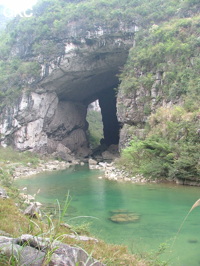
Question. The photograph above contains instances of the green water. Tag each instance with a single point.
(162, 209)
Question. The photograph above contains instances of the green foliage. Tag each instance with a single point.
(45, 33)
(9, 159)
(171, 148)
(171, 49)
(95, 131)
(8, 154)
(14, 76)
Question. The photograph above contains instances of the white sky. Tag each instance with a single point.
(18, 5)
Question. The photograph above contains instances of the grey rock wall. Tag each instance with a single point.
(52, 118)
(135, 106)
(40, 123)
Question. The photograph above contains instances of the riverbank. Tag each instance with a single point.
(113, 172)
(103, 199)
(16, 226)
(15, 164)
(30, 170)
(14, 223)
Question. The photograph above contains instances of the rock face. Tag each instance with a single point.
(39, 122)
(134, 108)
(52, 118)
(3, 193)
(30, 250)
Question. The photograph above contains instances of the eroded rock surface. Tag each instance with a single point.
(40, 123)
(52, 118)
(31, 250)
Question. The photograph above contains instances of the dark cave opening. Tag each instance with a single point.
(111, 127)
(102, 119)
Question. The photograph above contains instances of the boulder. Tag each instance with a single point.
(111, 153)
(92, 162)
(62, 254)
(108, 155)
(64, 153)
(23, 255)
(3, 193)
(33, 210)
(34, 251)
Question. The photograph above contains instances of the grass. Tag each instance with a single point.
(15, 223)
(8, 154)
(11, 159)
(195, 205)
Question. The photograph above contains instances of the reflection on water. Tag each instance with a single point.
(160, 208)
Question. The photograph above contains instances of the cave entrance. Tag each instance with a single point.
(95, 124)
(107, 102)
(103, 124)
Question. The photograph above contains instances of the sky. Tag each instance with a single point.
(18, 5)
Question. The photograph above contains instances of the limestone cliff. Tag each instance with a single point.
(68, 55)
(52, 118)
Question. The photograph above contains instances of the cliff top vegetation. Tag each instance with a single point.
(26, 39)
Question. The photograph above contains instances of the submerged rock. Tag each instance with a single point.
(123, 216)
(193, 241)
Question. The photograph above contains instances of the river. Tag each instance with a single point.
(161, 209)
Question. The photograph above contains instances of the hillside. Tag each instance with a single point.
(85, 44)
(26, 38)
(162, 79)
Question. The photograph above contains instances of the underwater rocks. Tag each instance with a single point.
(123, 216)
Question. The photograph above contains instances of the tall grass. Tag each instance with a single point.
(196, 204)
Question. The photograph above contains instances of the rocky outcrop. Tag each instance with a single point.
(33, 210)
(40, 123)
(52, 118)
(30, 250)
(135, 106)
(3, 193)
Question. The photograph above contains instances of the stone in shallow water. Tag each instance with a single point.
(124, 216)
(193, 241)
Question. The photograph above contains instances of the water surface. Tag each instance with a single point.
(162, 209)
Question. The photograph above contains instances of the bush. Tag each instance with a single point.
(171, 148)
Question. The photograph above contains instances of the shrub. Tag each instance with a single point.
(171, 148)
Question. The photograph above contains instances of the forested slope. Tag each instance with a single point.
(163, 69)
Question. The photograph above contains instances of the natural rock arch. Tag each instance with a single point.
(52, 119)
